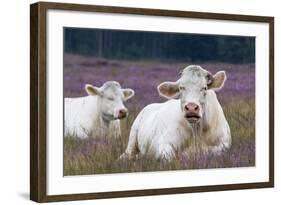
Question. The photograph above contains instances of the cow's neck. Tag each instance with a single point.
(197, 129)
(210, 113)
(105, 122)
(195, 140)
(210, 120)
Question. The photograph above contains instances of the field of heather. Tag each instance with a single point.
(96, 156)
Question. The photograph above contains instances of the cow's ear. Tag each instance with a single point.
(217, 81)
(92, 90)
(168, 90)
(128, 93)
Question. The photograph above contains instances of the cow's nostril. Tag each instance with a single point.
(122, 112)
(192, 108)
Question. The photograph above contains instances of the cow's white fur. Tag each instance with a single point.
(95, 115)
(162, 130)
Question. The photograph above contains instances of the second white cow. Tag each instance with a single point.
(195, 114)
(98, 114)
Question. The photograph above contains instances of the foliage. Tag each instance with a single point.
(141, 45)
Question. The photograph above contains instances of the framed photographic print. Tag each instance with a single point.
(134, 102)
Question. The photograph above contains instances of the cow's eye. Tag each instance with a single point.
(110, 98)
(182, 88)
(204, 89)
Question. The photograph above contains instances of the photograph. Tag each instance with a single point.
(143, 101)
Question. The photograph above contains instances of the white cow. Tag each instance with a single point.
(98, 114)
(165, 128)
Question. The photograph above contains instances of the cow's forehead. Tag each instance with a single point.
(193, 74)
(111, 88)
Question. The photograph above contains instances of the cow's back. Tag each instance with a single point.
(78, 116)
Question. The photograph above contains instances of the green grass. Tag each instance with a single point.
(100, 156)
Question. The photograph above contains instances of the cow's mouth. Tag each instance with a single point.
(192, 118)
(121, 117)
(108, 117)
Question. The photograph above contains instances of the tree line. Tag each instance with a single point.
(143, 45)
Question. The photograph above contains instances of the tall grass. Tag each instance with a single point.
(101, 155)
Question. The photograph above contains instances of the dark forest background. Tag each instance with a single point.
(142, 45)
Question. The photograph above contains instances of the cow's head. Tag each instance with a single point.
(111, 98)
(192, 88)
